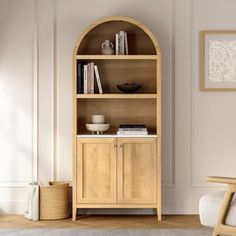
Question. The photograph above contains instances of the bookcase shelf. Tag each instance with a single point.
(126, 170)
(117, 96)
(113, 72)
(116, 57)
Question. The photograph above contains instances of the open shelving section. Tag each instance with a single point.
(143, 66)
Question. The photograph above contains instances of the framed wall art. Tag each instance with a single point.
(218, 60)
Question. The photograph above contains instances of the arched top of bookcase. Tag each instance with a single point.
(140, 39)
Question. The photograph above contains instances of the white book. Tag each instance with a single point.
(132, 129)
(132, 132)
(98, 79)
(85, 79)
(89, 78)
(122, 33)
(92, 77)
(117, 44)
(126, 45)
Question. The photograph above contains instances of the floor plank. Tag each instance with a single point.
(108, 222)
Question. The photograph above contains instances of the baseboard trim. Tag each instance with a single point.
(12, 207)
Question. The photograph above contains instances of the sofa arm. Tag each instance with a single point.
(223, 180)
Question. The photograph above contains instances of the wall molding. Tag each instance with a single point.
(34, 125)
(12, 206)
(192, 99)
(195, 182)
(171, 182)
(35, 94)
(13, 184)
(55, 93)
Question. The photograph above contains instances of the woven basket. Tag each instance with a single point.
(54, 201)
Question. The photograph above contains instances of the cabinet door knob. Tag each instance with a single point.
(120, 146)
(114, 145)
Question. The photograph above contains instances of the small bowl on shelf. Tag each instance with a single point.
(97, 128)
(129, 87)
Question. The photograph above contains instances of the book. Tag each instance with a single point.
(126, 45)
(82, 78)
(98, 79)
(122, 34)
(85, 79)
(117, 44)
(89, 78)
(132, 132)
(121, 43)
(132, 126)
(92, 77)
(79, 78)
(132, 129)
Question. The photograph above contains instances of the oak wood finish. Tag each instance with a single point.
(117, 57)
(223, 180)
(221, 228)
(136, 170)
(96, 166)
(119, 96)
(143, 65)
(118, 205)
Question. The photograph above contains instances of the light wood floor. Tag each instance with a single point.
(111, 222)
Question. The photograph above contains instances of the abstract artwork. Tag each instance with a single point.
(218, 60)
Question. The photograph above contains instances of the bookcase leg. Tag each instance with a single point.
(74, 213)
(159, 218)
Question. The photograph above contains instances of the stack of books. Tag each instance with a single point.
(121, 43)
(86, 75)
(129, 129)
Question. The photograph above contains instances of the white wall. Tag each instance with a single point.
(36, 43)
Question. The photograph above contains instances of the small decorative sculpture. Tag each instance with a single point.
(107, 48)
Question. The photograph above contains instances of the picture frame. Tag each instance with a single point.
(218, 60)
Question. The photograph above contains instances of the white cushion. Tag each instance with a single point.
(209, 208)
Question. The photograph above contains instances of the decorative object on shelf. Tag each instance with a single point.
(97, 128)
(107, 48)
(132, 129)
(129, 87)
(218, 60)
(98, 119)
(98, 125)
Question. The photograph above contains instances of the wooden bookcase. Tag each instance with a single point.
(110, 171)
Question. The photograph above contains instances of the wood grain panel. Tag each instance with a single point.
(136, 170)
(97, 170)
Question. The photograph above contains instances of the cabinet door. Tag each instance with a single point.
(137, 167)
(96, 170)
